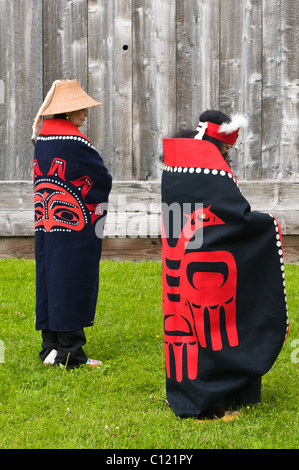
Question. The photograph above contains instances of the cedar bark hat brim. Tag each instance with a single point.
(68, 96)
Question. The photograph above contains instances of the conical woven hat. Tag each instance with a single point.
(68, 96)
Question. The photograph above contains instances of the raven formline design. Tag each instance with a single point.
(195, 283)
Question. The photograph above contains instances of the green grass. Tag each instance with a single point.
(123, 404)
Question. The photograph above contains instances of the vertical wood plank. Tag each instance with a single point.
(65, 42)
(289, 144)
(231, 83)
(179, 59)
(252, 88)
(154, 83)
(197, 29)
(20, 72)
(241, 79)
(110, 81)
(272, 104)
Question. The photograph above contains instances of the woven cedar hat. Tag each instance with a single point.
(68, 96)
(64, 96)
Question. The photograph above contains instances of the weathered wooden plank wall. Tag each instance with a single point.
(280, 89)
(65, 43)
(134, 207)
(21, 65)
(110, 80)
(240, 78)
(154, 82)
(198, 59)
(155, 65)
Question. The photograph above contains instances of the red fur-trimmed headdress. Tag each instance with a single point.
(226, 132)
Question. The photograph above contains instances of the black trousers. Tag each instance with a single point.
(68, 346)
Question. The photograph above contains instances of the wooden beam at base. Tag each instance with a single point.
(124, 249)
(136, 249)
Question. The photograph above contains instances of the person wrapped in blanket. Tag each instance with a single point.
(71, 189)
(224, 298)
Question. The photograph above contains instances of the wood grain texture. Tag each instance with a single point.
(198, 60)
(154, 83)
(241, 80)
(289, 145)
(134, 207)
(155, 65)
(123, 249)
(22, 90)
(110, 81)
(65, 41)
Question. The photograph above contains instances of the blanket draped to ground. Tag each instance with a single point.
(71, 188)
(224, 298)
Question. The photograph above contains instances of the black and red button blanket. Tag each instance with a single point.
(224, 298)
(71, 188)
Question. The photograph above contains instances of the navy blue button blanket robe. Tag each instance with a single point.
(71, 188)
(224, 298)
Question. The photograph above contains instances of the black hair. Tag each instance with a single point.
(60, 116)
(185, 134)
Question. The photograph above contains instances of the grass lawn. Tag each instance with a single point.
(123, 404)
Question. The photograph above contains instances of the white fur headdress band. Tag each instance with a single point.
(226, 132)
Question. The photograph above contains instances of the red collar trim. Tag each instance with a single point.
(192, 153)
(60, 127)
